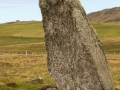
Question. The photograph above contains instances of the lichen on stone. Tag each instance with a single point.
(42, 3)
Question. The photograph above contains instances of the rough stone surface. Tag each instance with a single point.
(75, 56)
(52, 89)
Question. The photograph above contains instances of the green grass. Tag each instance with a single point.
(109, 35)
(22, 36)
(106, 30)
(22, 29)
(29, 36)
(21, 44)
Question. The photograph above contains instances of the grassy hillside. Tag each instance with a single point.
(109, 35)
(31, 29)
(21, 36)
(111, 15)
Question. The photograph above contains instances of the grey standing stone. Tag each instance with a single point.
(52, 89)
(49, 89)
(75, 57)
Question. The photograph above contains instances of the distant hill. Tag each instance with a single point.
(107, 15)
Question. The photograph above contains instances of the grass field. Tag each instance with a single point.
(114, 64)
(21, 36)
(20, 69)
(109, 35)
(30, 36)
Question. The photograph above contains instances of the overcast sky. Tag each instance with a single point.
(26, 10)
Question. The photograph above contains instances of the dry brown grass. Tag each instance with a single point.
(10, 83)
(114, 64)
(20, 68)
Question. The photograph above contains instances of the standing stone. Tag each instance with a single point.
(75, 57)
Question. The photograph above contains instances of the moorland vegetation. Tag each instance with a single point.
(16, 69)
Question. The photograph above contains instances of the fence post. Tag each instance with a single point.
(26, 52)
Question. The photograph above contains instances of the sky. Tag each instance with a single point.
(27, 10)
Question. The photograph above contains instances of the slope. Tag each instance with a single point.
(107, 15)
(22, 36)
